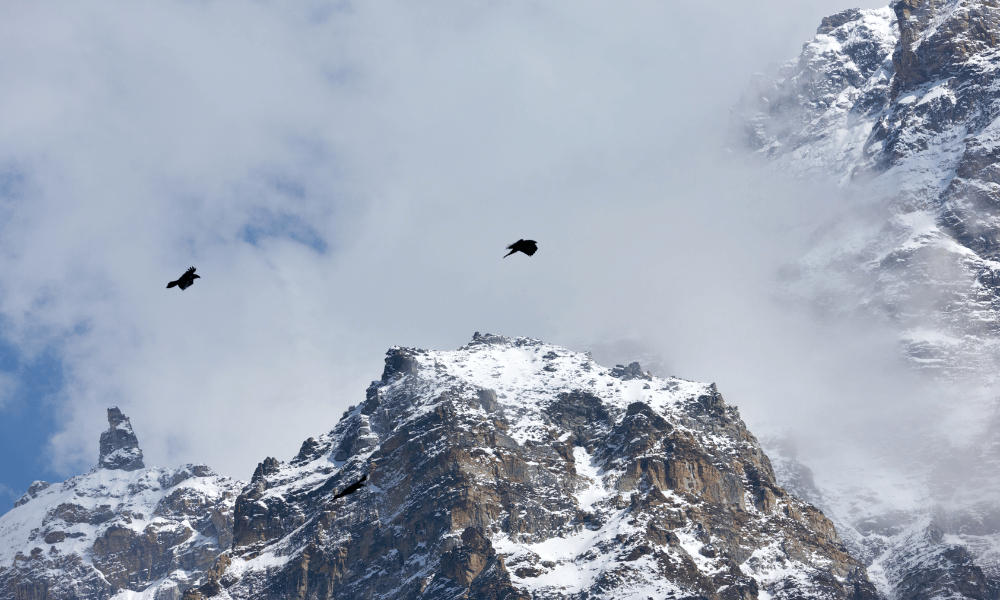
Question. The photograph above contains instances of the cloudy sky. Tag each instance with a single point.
(345, 176)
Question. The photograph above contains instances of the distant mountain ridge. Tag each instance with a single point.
(506, 469)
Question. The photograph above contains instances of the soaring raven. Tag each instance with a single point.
(352, 488)
(529, 247)
(185, 280)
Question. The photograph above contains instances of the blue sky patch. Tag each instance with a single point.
(265, 224)
(27, 421)
(13, 182)
(289, 187)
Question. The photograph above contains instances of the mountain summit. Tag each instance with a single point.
(121, 528)
(511, 468)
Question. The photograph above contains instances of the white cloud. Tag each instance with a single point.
(346, 176)
(8, 493)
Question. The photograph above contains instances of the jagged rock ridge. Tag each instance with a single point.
(511, 468)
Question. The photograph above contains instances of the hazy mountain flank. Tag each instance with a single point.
(897, 107)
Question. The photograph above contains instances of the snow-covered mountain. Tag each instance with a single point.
(119, 527)
(506, 469)
(511, 468)
(897, 107)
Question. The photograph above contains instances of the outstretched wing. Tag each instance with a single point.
(529, 247)
(513, 248)
(185, 280)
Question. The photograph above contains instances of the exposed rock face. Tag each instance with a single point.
(954, 32)
(898, 106)
(474, 570)
(120, 527)
(119, 446)
(513, 469)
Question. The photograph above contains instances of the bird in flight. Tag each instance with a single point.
(352, 488)
(185, 280)
(529, 247)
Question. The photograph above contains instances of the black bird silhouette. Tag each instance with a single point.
(185, 280)
(352, 488)
(529, 247)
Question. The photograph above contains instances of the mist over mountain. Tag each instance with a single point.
(341, 148)
(896, 109)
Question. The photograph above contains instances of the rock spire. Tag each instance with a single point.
(119, 446)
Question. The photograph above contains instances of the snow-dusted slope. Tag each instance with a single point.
(898, 108)
(114, 530)
(511, 468)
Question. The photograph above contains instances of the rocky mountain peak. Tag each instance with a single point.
(119, 446)
(507, 469)
(511, 468)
